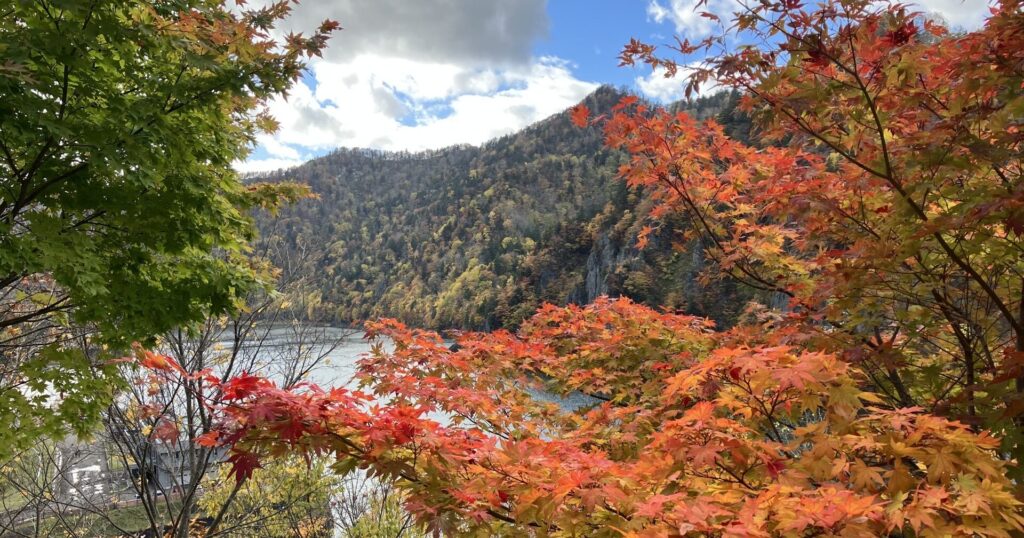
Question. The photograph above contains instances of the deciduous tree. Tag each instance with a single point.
(120, 212)
(887, 206)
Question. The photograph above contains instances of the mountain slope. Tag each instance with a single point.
(477, 237)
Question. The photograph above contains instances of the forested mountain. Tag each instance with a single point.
(479, 237)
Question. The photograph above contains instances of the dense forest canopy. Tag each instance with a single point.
(480, 237)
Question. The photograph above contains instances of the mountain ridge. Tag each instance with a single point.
(476, 237)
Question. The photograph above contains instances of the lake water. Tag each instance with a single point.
(334, 350)
(344, 349)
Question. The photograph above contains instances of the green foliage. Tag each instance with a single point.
(119, 207)
(470, 237)
(385, 519)
(287, 498)
(63, 393)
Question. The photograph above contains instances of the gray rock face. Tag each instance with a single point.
(606, 257)
(599, 265)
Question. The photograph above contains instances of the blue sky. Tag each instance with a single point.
(592, 41)
(422, 74)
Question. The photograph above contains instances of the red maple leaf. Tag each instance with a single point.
(774, 467)
(208, 439)
(580, 115)
(155, 361)
(243, 464)
(166, 430)
(243, 386)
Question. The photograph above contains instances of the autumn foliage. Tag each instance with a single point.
(887, 203)
(685, 430)
(885, 206)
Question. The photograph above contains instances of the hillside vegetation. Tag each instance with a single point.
(479, 237)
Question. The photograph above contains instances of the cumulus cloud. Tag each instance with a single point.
(958, 14)
(459, 31)
(254, 166)
(657, 87)
(419, 75)
(399, 104)
(685, 16)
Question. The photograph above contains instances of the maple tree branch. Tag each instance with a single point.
(61, 304)
(25, 198)
(9, 158)
(763, 284)
(1019, 347)
(1017, 325)
(739, 479)
(768, 415)
(919, 211)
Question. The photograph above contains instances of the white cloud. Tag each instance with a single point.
(397, 104)
(958, 14)
(277, 149)
(267, 165)
(667, 90)
(496, 32)
(419, 75)
(656, 86)
(685, 15)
